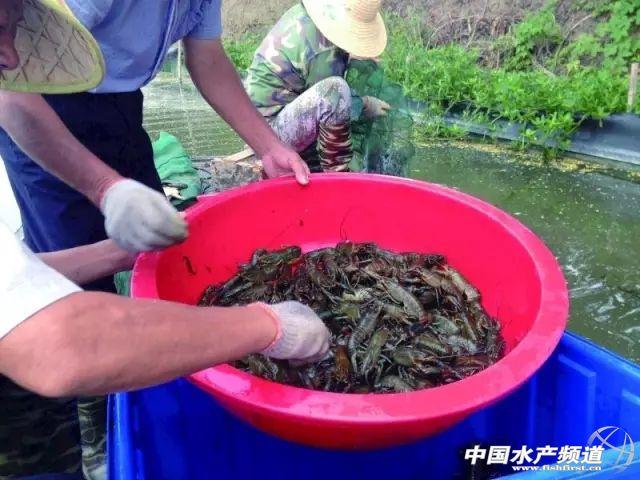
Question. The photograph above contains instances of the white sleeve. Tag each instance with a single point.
(27, 284)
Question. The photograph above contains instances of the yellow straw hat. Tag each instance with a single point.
(57, 54)
(355, 26)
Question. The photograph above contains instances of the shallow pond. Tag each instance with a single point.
(590, 219)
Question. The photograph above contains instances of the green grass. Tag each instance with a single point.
(545, 81)
(241, 51)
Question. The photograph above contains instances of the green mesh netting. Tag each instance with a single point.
(383, 145)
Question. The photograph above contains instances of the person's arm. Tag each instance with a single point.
(136, 217)
(91, 343)
(219, 83)
(89, 262)
(40, 133)
(59, 341)
(365, 108)
(95, 343)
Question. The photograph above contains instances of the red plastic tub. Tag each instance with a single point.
(519, 278)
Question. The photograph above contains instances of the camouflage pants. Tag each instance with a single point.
(49, 435)
(92, 416)
(321, 115)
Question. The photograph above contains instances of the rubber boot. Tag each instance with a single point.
(334, 147)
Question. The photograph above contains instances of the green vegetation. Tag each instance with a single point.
(539, 74)
(241, 51)
(545, 81)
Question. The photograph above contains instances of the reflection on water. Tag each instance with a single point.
(591, 221)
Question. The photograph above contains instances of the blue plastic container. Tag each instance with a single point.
(176, 431)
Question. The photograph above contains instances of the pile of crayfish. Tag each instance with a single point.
(399, 321)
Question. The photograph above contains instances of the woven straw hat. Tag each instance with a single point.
(355, 26)
(57, 54)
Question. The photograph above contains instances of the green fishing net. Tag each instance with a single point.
(383, 145)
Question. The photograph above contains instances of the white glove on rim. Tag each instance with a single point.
(374, 107)
(301, 334)
(139, 219)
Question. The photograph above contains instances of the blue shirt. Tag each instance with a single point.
(135, 35)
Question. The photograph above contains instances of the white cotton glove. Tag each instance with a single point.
(301, 336)
(373, 107)
(139, 219)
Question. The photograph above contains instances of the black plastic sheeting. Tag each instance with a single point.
(615, 138)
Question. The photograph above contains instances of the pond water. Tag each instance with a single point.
(589, 218)
(591, 221)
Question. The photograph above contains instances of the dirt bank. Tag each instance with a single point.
(251, 16)
(445, 20)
